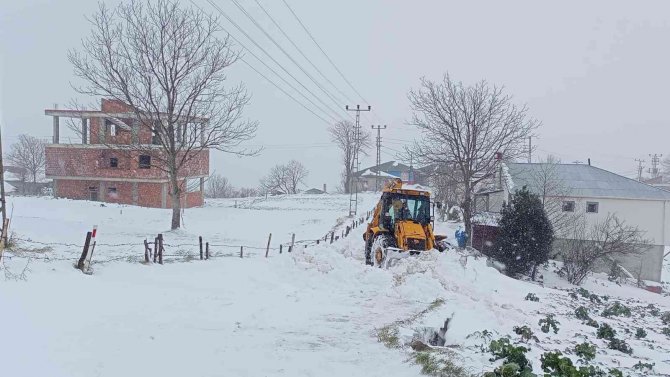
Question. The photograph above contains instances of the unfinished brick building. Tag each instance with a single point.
(98, 170)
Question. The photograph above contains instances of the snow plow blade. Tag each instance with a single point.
(393, 255)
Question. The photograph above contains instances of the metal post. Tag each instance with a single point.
(353, 187)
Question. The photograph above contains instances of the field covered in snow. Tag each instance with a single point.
(318, 311)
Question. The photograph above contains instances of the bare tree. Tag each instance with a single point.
(605, 241)
(168, 65)
(444, 182)
(28, 154)
(218, 187)
(553, 191)
(343, 134)
(285, 178)
(465, 126)
(295, 175)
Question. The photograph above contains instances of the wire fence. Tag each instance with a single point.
(147, 251)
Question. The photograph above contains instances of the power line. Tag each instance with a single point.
(275, 73)
(337, 115)
(253, 20)
(285, 92)
(324, 52)
(301, 53)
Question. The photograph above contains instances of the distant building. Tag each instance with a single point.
(91, 170)
(590, 191)
(367, 178)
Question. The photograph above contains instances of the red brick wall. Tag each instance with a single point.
(94, 162)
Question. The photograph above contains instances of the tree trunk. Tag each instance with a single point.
(467, 214)
(176, 200)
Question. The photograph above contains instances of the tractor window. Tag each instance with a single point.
(404, 207)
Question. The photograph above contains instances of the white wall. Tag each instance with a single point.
(650, 216)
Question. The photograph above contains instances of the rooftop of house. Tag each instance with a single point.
(389, 166)
(580, 180)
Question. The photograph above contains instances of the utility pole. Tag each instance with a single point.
(379, 156)
(3, 239)
(530, 149)
(655, 159)
(353, 186)
(640, 167)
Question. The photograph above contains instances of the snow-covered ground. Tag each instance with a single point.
(313, 312)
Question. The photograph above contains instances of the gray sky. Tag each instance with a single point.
(595, 73)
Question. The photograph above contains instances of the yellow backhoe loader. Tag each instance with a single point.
(400, 227)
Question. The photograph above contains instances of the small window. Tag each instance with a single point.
(591, 207)
(145, 161)
(113, 162)
(569, 206)
(110, 127)
(155, 139)
(111, 190)
(193, 185)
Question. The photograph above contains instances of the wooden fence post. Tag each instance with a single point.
(267, 248)
(84, 252)
(200, 242)
(317, 241)
(241, 251)
(332, 237)
(160, 248)
(290, 248)
(147, 251)
(207, 250)
(155, 249)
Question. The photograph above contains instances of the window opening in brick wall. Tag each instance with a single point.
(112, 193)
(110, 127)
(113, 162)
(193, 185)
(145, 161)
(93, 193)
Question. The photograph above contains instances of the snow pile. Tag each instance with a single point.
(316, 311)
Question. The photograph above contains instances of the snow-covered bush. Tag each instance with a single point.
(547, 323)
(605, 331)
(515, 362)
(525, 234)
(586, 351)
(665, 318)
(525, 332)
(616, 309)
(532, 297)
(640, 333)
(620, 345)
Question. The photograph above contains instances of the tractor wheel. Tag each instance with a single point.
(368, 251)
(378, 249)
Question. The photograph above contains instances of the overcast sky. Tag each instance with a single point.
(596, 73)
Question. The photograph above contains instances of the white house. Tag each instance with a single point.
(594, 193)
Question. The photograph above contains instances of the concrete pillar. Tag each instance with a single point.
(164, 194)
(56, 130)
(102, 130)
(84, 131)
(136, 193)
(102, 194)
(202, 189)
(135, 131)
